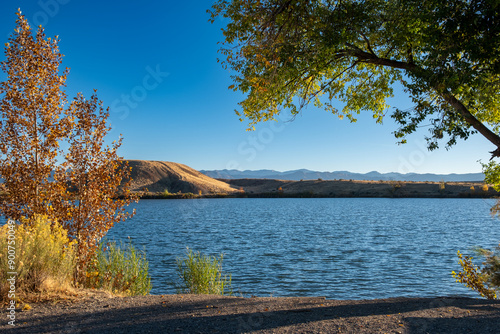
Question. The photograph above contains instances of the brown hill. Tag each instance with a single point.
(158, 176)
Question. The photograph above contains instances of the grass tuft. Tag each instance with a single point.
(202, 274)
(119, 269)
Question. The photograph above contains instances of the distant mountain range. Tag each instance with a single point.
(305, 174)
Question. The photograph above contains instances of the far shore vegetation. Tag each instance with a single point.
(388, 189)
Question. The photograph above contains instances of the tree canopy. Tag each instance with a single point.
(288, 54)
(446, 54)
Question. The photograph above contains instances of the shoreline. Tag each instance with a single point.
(101, 313)
(267, 188)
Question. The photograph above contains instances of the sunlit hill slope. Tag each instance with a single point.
(158, 176)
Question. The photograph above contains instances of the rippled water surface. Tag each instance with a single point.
(341, 248)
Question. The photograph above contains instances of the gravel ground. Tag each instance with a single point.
(100, 313)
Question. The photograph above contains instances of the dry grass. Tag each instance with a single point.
(42, 256)
(51, 290)
(355, 188)
(54, 293)
(158, 176)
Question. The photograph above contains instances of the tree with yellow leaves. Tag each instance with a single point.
(33, 123)
(77, 186)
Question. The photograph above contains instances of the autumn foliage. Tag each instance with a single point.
(33, 123)
(479, 280)
(54, 160)
(44, 256)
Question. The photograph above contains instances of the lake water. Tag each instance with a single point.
(341, 248)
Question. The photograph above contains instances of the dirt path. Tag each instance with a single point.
(216, 314)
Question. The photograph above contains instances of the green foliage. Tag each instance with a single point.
(491, 172)
(167, 195)
(202, 274)
(491, 266)
(289, 54)
(485, 281)
(119, 269)
(40, 251)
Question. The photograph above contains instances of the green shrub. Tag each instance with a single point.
(119, 269)
(39, 252)
(201, 274)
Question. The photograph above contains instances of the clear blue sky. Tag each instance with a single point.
(154, 63)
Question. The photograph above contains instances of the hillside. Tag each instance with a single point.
(158, 176)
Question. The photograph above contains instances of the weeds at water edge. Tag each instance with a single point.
(202, 274)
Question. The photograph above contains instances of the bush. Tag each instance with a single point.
(201, 274)
(485, 281)
(40, 252)
(119, 269)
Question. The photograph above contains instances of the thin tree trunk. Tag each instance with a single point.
(36, 172)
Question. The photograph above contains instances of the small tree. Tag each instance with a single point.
(95, 173)
(76, 187)
(32, 124)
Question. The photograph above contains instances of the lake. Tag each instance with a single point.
(341, 248)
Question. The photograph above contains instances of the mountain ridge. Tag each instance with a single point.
(306, 174)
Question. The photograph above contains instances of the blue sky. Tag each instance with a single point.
(154, 63)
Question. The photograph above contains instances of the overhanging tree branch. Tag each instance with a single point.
(459, 107)
(474, 122)
(419, 38)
